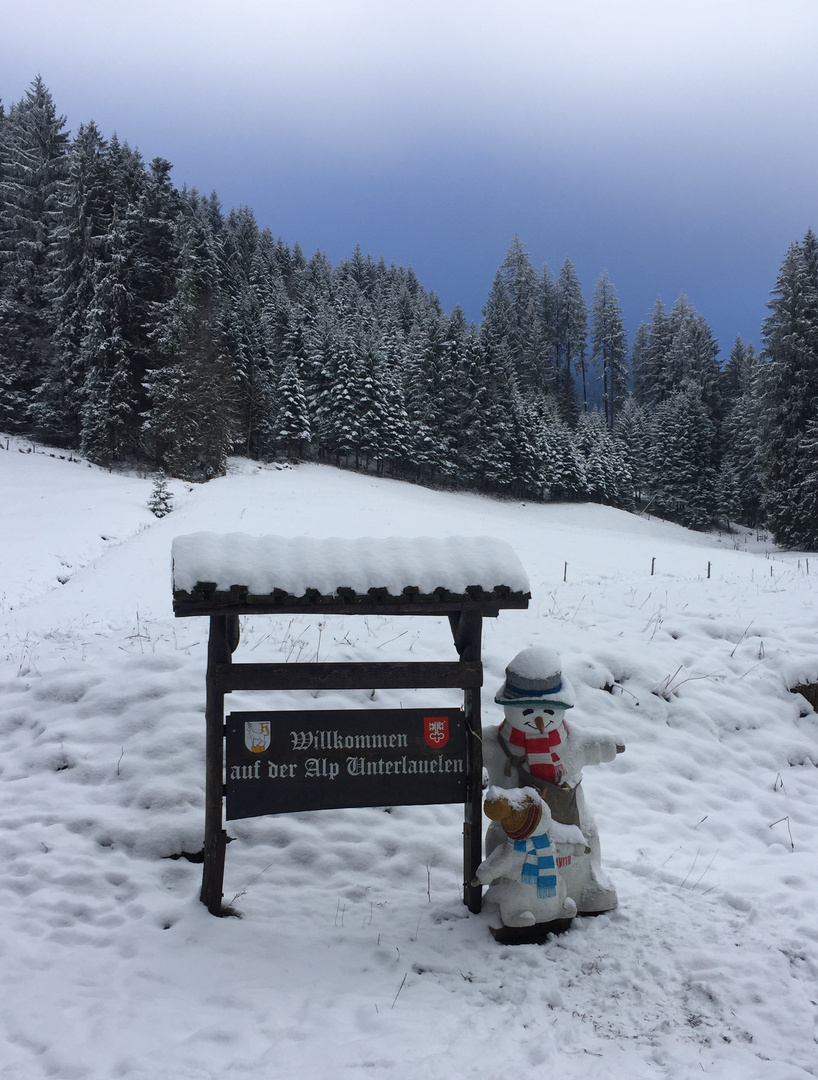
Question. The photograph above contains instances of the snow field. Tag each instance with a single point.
(355, 957)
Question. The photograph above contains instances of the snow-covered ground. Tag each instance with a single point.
(355, 956)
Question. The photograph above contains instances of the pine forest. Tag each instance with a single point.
(140, 323)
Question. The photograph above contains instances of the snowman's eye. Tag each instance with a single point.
(527, 712)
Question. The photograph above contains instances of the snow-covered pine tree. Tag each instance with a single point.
(809, 246)
(432, 396)
(789, 403)
(806, 494)
(562, 465)
(634, 435)
(160, 502)
(33, 166)
(293, 427)
(682, 466)
(85, 217)
(250, 286)
(609, 350)
(511, 315)
(110, 410)
(395, 435)
(571, 340)
(548, 315)
(692, 355)
(607, 475)
(739, 480)
(502, 454)
(650, 348)
(336, 407)
(189, 391)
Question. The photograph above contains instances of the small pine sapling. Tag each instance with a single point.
(161, 501)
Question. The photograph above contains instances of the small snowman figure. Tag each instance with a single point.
(522, 868)
(535, 747)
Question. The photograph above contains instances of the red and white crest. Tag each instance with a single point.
(436, 731)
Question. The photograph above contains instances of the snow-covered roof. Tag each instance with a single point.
(213, 570)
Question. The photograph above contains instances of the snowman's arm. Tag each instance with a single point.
(571, 849)
(496, 865)
(589, 748)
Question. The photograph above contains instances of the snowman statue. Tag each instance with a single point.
(521, 870)
(535, 747)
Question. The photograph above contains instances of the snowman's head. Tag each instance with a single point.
(534, 720)
(535, 695)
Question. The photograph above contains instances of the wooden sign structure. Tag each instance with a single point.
(475, 578)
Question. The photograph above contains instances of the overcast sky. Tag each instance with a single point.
(672, 142)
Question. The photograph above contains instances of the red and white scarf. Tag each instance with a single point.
(541, 750)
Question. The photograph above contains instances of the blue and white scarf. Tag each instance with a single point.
(537, 862)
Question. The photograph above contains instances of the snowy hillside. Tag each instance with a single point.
(355, 956)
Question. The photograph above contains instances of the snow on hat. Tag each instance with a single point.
(534, 677)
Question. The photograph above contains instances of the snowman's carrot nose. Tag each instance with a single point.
(538, 720)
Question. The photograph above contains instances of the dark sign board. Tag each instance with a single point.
(280, 762)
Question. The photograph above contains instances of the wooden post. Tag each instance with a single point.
(224, 637)
(467, 629)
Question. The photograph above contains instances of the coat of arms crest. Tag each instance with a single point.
(257, 735)
(436, 731)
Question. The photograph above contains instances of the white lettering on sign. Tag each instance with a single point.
(403, 766)
(280, 772)
(245, 772)
(252, 772)
(321, 767)
(334, 740)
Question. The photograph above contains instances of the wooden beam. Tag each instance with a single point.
(467, 631)
(188, 604)
(222, 640)
(228, 676)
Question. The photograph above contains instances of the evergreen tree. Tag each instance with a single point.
(396, 434)
(186, 427)
(634, 436)
(789, 403)
(33, 164)
(251, 285)
(511, 314)
(739, 479)
(110, 409)
(85, 220)
(608, 346)
(293, 428)
(682, 467)
(677, 348)
(650, 349)
(548, 318)
(640, 375)
(336, 407)
(607, 475)
(809, 246)
(571, 334)
(562, 465)
(161, 501)
(432, 395)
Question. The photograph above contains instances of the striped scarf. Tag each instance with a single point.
(537, 862)
(541, 750)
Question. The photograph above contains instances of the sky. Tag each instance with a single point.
(673, 144)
